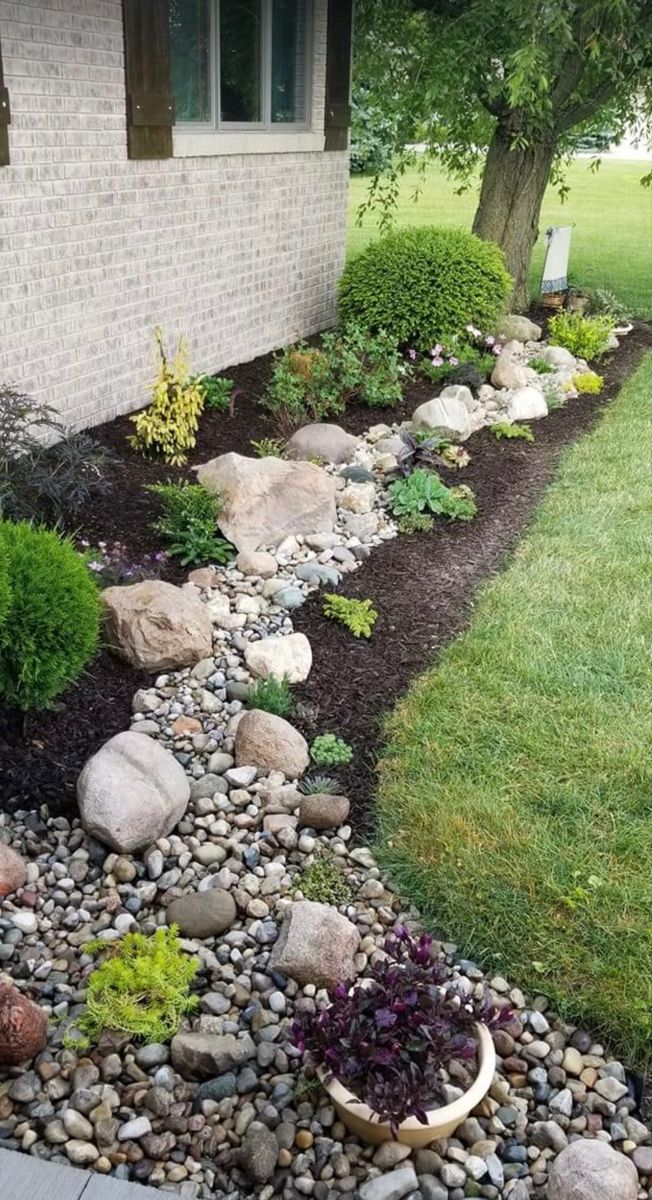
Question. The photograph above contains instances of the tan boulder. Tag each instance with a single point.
(287, 657)
(132, 792)
(23, 1027)
(330, 443)
(13, 871)
(316, 945)
(508, 374)
(156, 626)
(265, 500)
(319, 811)
(268, 742)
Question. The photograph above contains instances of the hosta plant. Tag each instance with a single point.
(391, 1039)
(359, 616)
(217, 391)
(423, 491)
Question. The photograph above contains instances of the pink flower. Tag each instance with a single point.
(489, 340)
(497, 350)
(437, 361)
(453, 361)
(412, 355)
(436, 350)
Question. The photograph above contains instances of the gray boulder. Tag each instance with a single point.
(508, 374)
(198, 1056)
(330, 443)
(316, 945)
(391, 1186)
(265, 500)
(259, 1152)
(287, 657)
(592, 1170)
(156, 626)
(268, 742)
(527, 404)
(445, 416)
(131, 792)
(558, 356)
(323, 811)
(515, 327)
(203, 914)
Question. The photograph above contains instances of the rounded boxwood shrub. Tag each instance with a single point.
(52, 622)
(425, 285)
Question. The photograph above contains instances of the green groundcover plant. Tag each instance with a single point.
(189, 523)
(328, 750)
(511, 430)
(142, 988)
(325, 882)
(424, 492)
(272, 695)
(358, 616)
(424, 285)
(49, 615)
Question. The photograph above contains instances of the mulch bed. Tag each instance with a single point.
(422, 586)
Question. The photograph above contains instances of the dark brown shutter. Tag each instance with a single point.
(150, 104)
(5, 118)
(338, 73)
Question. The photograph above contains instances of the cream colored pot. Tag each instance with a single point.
(442, 1122)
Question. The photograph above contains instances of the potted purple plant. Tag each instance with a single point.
(382, 1047)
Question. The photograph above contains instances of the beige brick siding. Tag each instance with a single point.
(241, 252)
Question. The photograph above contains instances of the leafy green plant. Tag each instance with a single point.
(456, 457)
(216, 390)
(415, 522)
(51, 611)
(320, 785)
(588, 383)
(272, 695)
(324, 882)
(168, 425)
(142, 988)
(541, 366)
(328, 750)
(268, 447)
(189, 523)
(459, 362)
(424, 284)
(585, 337)
(359, 616)
(603, 301)
(503, 429)
(423, 491)
(41, 481)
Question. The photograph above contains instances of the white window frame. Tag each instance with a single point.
(187, 134)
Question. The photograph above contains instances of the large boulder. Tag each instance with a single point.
(13, 871)
(131, 792)
(558, 356)
(268, 742)
(264, 500)
(508, 374)
(323, 811)
(156, 626)
(199, 1056)
(203, 914)
(23, 1027)
(446, 416)
(282, 657)
(592, 1170)
(527, 404)
(316, 945)
(330, 443)
(517, 328)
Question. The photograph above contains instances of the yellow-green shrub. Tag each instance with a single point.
(588, 382)
(168, 425)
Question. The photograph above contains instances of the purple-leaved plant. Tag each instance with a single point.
(390, 1038)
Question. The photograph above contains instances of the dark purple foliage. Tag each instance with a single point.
(414, 453)
(389, 1039)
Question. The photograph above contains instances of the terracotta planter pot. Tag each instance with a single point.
(442, 1122)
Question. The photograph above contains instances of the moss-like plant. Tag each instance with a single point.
(503, 429)
(588, 383)
(328, 750)
(272, 695)
(141, 989)
(168, 425)
(415, 522)
(325, 882)
(359, 616)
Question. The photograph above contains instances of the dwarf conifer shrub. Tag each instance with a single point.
(168, 425)
(359, 616)
(142, 988)
(52, 617)
(272, 695)
(424, 285)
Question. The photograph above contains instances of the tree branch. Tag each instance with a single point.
(578, 113)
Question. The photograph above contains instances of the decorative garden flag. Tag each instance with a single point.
(555, 271)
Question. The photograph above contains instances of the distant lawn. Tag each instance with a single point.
(612, 239)
(515, 802)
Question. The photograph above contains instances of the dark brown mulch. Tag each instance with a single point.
(422, 586)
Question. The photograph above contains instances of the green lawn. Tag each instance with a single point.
(612, 213)
(515, 802)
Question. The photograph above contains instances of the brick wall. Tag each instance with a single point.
(239, 252)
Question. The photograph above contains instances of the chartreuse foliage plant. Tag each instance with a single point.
(142, 988)
(514, 803)
(585, 337)
(51, 610)
(189, 523)
(424, 492)
(167, 427)
(415, 522)
(272, 695)
(359, 616)
(328, 750)
(424, 285)
(508, 430)
(588, 383)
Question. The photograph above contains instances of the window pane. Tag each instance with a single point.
(190, 39)
(288, 60)
(240, 40)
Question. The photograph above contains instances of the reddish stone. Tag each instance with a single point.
(23, 1026)
(13, 872)
(186, 725)
(28, 899)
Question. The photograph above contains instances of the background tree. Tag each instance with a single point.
(512, 84)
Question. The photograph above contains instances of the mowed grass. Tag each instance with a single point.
(612, 214)
(515, 802)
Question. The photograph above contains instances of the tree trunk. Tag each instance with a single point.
(513, 185)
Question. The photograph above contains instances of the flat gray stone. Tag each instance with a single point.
(392, 1186)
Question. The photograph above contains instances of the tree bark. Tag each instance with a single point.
(513, 186)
